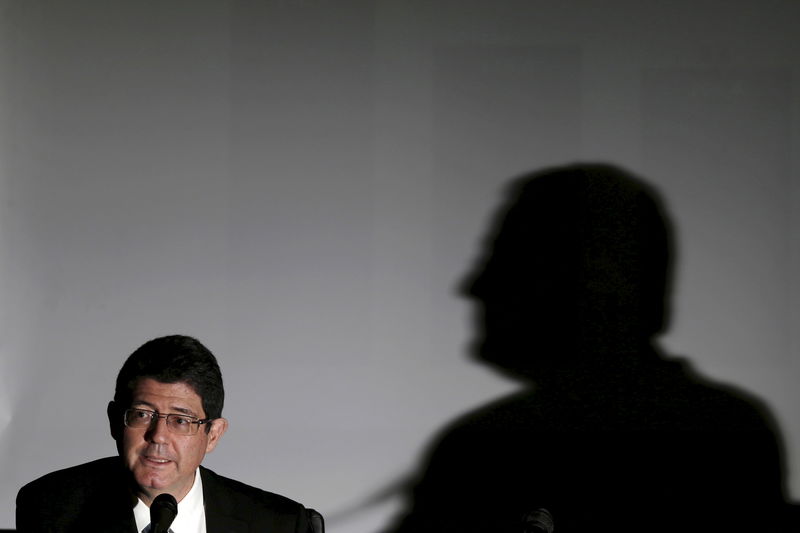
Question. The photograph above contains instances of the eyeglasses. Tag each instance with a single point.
(179, 424)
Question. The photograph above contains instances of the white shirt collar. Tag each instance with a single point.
(191, 511)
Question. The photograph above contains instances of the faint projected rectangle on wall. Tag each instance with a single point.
(722, 138)
(735, 122)
(506, 106)
(498, 111)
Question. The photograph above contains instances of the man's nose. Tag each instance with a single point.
(157, 432)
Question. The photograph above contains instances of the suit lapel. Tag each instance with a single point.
(119, 501)
(220, 514)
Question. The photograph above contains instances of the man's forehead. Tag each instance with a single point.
(147, 388)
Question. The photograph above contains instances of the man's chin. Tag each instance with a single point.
(149, 479)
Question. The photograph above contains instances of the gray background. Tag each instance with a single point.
(302, 183)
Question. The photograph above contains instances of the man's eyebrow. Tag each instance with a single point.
(184, 411)
(173, 409)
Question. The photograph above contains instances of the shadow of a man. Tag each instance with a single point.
(608, 434)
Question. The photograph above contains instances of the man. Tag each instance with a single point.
(166, 415)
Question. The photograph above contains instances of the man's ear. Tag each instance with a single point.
(218, 428)
(114, 420)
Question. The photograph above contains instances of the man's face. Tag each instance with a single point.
(160, 460)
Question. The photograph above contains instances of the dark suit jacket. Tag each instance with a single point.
(95, 497)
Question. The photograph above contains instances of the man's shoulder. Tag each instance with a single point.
(74, 497)
(242, 493)
(82, 477)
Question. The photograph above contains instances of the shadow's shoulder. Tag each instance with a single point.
(713, 404)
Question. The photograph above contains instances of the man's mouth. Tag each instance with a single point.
(155, 460)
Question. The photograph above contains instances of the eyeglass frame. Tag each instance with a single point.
(155, 415)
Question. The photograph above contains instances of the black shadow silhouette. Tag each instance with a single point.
(609, 434)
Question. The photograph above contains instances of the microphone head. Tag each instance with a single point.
(538, 521)
(163, 511)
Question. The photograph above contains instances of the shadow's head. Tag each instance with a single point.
(577, 270)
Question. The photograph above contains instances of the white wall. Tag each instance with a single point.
(301, 184)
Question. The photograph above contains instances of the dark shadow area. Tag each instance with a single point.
(608, 434)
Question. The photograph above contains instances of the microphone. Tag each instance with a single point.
(538, 521)
(162, 512)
